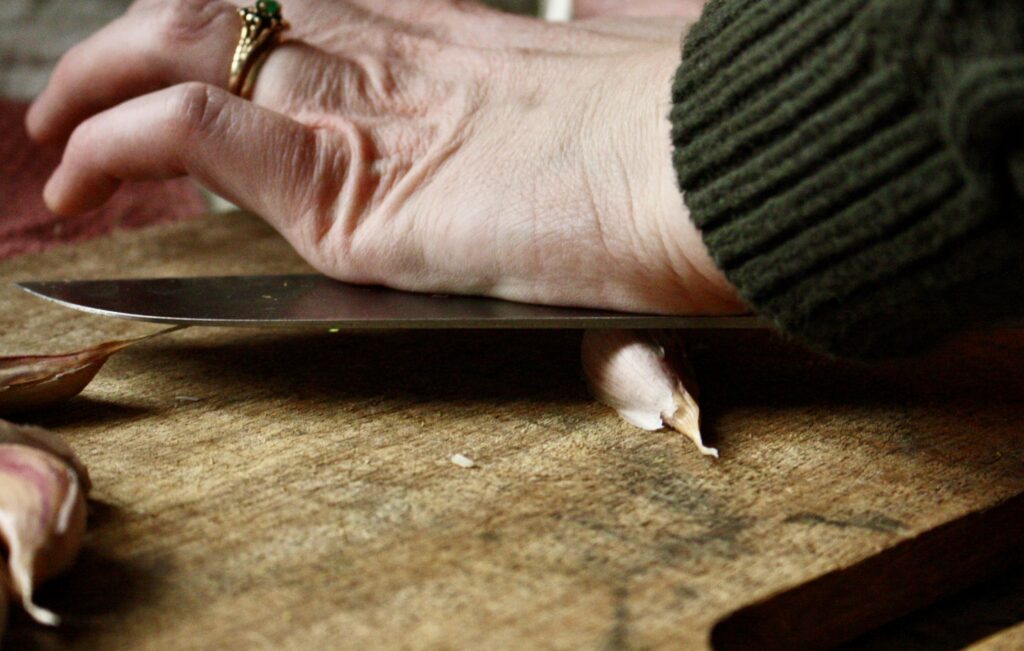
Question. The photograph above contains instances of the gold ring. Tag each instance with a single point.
(261, 31)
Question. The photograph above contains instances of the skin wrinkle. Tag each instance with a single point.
(593, 116)
(361, 85)
(640, 242)
(197, 112)
(662, 248)
(330, 160)
(375, 81)
(412, 181)
(347, 210)
(595, 215)
(673, 251)
(447, 140)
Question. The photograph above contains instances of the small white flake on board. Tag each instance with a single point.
(462, 461)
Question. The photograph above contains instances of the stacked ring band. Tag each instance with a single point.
(261, 31)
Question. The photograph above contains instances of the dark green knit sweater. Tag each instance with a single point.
(857, 166)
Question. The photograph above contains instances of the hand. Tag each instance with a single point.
(434, 146)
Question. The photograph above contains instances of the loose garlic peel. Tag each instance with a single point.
(36, 381)
(631, 372)
(43, 486)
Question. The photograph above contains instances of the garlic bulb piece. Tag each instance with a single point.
(42, 517)
(47, 441)
(631, 372)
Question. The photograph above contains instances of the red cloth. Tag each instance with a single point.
(25, 223)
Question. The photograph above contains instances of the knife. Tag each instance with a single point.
(318, 302)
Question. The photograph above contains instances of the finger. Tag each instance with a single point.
(149, 49)
(256, 158)
(144, 50)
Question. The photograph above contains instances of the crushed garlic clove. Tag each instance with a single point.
(631, 372)
(36, 381)
(42, 512)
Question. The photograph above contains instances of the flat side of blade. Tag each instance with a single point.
(317, 301)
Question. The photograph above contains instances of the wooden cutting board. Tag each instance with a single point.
(293, 490)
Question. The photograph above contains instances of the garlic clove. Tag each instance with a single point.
(631, 372)
(42, 520)
(36, 381)
(41, 439)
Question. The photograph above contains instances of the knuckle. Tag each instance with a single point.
(186, 21)
(196, 108)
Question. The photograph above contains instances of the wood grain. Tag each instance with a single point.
(292, 490)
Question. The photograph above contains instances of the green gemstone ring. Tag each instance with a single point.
(262, 25)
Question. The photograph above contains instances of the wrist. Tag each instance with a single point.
(704, 285)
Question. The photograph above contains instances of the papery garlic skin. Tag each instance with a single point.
(629, 371)
(42, 519)
(32, 382)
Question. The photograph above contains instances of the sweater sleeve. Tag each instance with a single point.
(856, 167)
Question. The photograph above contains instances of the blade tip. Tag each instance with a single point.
(33, 287)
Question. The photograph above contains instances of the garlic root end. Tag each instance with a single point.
(686, 420)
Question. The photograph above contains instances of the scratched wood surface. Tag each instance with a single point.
(292, 490)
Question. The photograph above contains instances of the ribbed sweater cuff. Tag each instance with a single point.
(826, 187)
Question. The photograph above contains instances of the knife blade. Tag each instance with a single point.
(317, 301)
